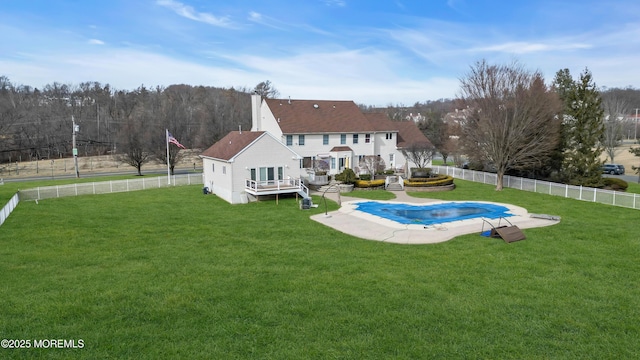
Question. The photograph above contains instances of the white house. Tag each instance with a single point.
(246, 164)
(335, 132)
(289, 138)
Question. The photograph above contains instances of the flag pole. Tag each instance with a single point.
(167, 143)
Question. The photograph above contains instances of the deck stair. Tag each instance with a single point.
(394, 183)
(394, 187)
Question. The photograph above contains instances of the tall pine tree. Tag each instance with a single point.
(582, 128)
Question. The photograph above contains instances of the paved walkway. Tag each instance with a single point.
(370, 227)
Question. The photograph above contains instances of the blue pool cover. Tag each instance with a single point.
(430, 214)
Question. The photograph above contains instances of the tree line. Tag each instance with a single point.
(37, 123)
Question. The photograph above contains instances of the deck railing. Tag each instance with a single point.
(275, 186)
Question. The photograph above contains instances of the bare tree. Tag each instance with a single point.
(615, 111)
(419, 153)
(372, 164)
(134, 142)
(513, 120)
(266, 90)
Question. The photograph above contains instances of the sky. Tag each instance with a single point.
(379, 53)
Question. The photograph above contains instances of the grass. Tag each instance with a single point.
(171, 273)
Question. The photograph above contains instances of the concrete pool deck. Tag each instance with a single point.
(371, 227)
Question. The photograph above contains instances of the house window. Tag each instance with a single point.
(391, 158)
(389, 136)
(289, 140)
(253, 174)
(333, 163)
(300, 140)
(367, 138)
(307, 162)
(224, 170)
(341, 163)
(280, 173)
(213, 167)
(343, 139)
(355, 138)
(325, 139)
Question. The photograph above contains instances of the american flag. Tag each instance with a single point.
(174, 141)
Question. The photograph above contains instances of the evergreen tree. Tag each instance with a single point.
(582, 128)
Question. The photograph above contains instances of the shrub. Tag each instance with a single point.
(389, 172)
(347, 176)
(365, 177)
(439, 180)
(369, 183)
(615, 184)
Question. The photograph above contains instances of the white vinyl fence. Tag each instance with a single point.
(106, 187)
(608, 197)
(8, 208)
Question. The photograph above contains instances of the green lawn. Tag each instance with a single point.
(171, 273)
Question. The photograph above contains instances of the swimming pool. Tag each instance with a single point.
(431, 214)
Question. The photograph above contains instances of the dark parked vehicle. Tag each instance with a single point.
(613, 169)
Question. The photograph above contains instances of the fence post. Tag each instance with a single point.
(94, 187)
(76, 188)
(110, 186)
(127, 185)
(595, 192)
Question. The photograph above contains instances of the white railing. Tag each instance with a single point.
(608, 197)
(105, 187)
(266, 186)
(8, 208)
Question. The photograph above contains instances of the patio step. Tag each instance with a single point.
(394, 187)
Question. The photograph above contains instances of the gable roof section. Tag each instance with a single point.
(381, 122)
(409, 133)
(232, 144)
(318, 116)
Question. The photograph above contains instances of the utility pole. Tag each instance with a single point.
(76, 128)
(635, 136)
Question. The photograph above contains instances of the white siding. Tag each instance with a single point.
(265, 152)
(217, 182)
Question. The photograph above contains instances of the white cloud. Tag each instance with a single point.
(96, 42)
(190, 13)
(338, 3)
(522, 47)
